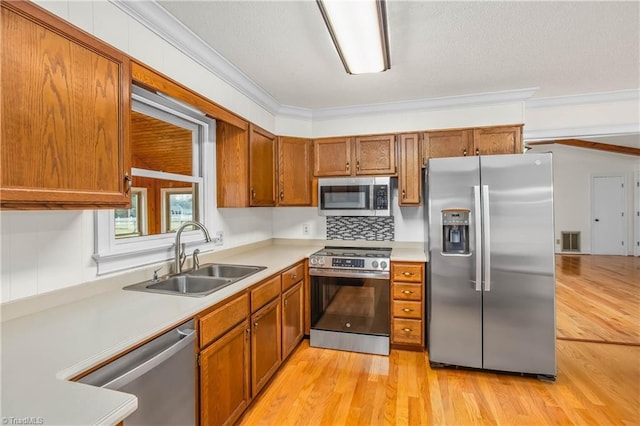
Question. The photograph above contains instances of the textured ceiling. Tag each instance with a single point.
(438, 49)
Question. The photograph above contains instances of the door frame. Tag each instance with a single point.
(624, 209)
(636, 213)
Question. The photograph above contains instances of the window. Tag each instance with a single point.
(172, 145)
(132, 222)
(177, 208)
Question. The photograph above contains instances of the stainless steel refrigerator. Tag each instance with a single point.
(492, 268)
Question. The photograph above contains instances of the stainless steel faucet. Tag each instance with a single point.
(180, 255)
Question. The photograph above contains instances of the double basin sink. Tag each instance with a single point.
(200, 282)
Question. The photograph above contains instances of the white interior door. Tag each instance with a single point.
(608, 230)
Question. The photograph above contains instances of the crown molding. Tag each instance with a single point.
(588, 98)
(501, 97)
(157, 19)
(581, 132)
(295, 112)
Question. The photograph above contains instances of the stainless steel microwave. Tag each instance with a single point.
(361, 196)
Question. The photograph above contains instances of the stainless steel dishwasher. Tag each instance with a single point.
(161, 373)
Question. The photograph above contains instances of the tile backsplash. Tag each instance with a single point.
(360, 228)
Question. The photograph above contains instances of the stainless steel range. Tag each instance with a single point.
(350, 289)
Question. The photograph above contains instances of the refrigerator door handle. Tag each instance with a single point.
(477, 225)
(486, 233)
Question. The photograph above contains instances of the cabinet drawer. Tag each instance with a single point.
(265, 292)
(407, 291)
(292, 276)
(216, 323)
(408, 272)
(407, 331)
(406, 309)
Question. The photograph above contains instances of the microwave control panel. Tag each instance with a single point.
(381, 197)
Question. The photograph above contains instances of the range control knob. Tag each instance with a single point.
(313, 260)
(374, 264)
(321, 261)
(383, 264)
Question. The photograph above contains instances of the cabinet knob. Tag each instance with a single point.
(407, 291)
(286, 302)
(464, 152)
(407, 309)
(255, 325)
(282, 195)
(253, 193)
(358, 166)
(407, 329)
(348, 165)
(477, 151)
(407, 274)
(404, 194)
(129, 183)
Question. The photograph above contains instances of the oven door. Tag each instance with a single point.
(350, 302)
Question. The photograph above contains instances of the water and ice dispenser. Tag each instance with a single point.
(455, 231)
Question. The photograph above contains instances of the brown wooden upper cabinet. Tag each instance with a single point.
(357, 156)
(262, 167)
(294, 177)
(65, 114)
(478, 141)
(409, 170)
(497, 140)
(447, 143)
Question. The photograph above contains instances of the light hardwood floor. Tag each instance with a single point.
(597, 383)
(598, 298)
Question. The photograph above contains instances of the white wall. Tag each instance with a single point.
(573, 170)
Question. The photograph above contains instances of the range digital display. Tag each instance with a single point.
(348, 263)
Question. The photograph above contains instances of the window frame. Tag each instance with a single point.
(116, 254)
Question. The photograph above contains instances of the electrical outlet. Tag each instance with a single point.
(305, 229)
(218, 238)
(558, 241)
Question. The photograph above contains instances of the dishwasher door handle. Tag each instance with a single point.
(159, 358)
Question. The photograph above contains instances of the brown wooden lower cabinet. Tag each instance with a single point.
(292, 318)
(407, 304)
(266, 349)
(224, 377)
(243, 341)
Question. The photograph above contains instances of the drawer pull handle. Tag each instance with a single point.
(407, 329)
(407, 291)
(407, 274)
(294, 276)
(407, 309)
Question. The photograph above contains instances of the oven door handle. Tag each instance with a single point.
(341, 273)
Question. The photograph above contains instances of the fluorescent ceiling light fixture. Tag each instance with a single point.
(359, 31)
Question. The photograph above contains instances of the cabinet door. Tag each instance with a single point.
(232, 165)
(375, 155)
(410, 170)
(262, 167)
(224, 377)
(65, 114)
(266, 349)
(447, 143)
(294, 178)
(332, 157)
(498, 140)
(292, 318)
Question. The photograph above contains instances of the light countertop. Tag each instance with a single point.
(41, 351)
